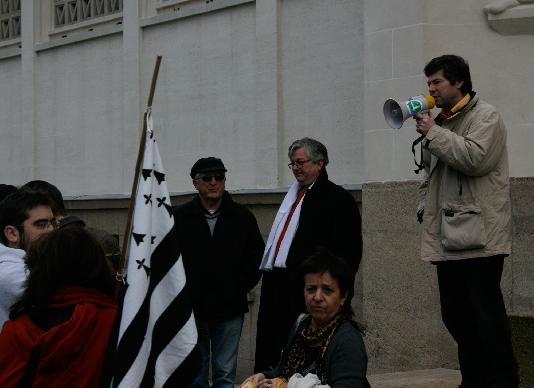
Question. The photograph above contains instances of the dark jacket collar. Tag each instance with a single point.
(320, 181)
(195, 206)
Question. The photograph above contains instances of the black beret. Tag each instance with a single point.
(210, 164)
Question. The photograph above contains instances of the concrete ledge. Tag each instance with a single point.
(396, 294)
(243, 196)
(426, 378)
(522, 327)
(513, 21)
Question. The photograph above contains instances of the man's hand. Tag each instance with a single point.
(425, 121)
(253, 381)
(273, 383)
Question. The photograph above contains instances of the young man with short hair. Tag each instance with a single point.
(24, 217)
(466, 213)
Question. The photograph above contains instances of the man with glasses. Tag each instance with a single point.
(24, 217)
(108, 241)
(221, 248)
(314, 213)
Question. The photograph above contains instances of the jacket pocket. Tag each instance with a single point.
(462, 227)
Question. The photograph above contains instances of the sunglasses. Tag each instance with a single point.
(208, 178)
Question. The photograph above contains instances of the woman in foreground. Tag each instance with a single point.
(325, 348)
(60, 327)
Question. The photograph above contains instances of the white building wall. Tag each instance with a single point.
(501, 68)
(242, 84)
(10, 117)
(204, 101)
(78, 111)
(322, 65)
(241, 79)
(402, 36)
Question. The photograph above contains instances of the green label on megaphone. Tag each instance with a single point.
(414, 106)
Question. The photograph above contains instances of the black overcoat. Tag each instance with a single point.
(220, 269)
(330, 218)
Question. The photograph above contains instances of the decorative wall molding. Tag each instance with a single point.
(511, 17)
(67, 12)
(10, 26)
(61, 22)
(161, 4)
(163, 11)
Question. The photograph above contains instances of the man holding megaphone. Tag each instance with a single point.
(464, 205)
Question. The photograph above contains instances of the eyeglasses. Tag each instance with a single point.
(208, 178)
(298, 163)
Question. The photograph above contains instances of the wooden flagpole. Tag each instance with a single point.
(140, 155)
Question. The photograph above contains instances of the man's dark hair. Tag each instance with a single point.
(323, 261)
(15, 207)
(454, 68)
(44, 187)
(5, 190)
(63, 257)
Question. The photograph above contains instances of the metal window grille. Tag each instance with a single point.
(9, 19)
(68, 12)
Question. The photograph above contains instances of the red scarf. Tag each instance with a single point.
(72, 352)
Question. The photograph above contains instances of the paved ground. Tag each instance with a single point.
(428, 378)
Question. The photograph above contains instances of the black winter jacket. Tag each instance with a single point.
(220, 269)
(329, 217)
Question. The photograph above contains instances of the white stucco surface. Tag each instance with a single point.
(78, 134)
(402, 36)
(241, 80)
(10, 120)
(204, 102)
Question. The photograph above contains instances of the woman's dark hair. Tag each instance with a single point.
(323, 261)
(454, 67)
(63, 257)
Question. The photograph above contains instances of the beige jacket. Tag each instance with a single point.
(466, 191)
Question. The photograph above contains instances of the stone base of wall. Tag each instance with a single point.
(396, 294)
(522, 327)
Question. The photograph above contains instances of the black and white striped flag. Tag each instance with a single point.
(157, 336)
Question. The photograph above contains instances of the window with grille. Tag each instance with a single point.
(9, 19)
(69, 12)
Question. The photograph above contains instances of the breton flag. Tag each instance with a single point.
(157, 336)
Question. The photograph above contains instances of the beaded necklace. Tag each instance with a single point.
(306, 336)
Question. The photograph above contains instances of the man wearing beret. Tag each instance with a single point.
(222, 248)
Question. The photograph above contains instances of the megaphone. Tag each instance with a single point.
(396, 113)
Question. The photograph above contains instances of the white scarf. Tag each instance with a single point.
(276, 230)
(308, 381)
